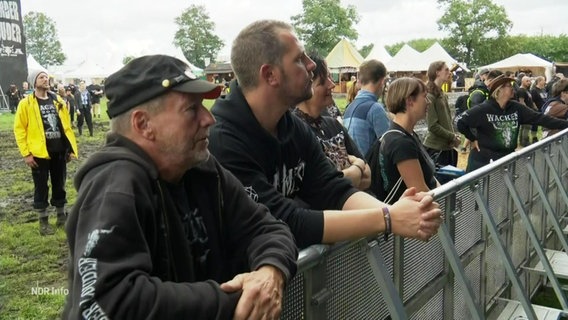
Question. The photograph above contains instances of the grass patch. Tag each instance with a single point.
(33, 269)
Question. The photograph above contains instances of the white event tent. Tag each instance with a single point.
(379, 53)
(524, 62)
(437, 53)
(406, 59)
(33, 64)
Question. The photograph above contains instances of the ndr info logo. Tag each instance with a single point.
(41, 291)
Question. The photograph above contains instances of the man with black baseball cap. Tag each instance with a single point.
(160, 229)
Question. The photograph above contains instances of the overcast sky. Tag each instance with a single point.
(135, 27)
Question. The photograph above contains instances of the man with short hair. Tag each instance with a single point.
(160, 230)
(278, 158)
(46, 141)
(365, 118)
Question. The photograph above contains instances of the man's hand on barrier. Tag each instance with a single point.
(262, 293)
(416, 215)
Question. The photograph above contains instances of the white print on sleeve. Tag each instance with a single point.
(93, 239)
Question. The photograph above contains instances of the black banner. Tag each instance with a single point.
(13, 63)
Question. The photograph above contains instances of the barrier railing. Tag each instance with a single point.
(498, 219)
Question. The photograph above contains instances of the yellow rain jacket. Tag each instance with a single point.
(29, 131)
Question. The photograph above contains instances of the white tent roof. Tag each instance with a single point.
(33, 64)
(87, 70)
(522, 61)
(437, 53)
(406, 59)
(174, 52)
(379, 53)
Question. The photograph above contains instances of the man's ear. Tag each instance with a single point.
(269, 74)
(140, 123)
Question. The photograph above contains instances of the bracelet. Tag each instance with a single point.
(388, 225)
(360, 169)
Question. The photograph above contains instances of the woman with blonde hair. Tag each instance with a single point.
(404, 162)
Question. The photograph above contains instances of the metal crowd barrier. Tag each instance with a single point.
(498, 219)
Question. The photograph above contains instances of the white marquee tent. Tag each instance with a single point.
(379, 53)
(87, 70)
(524, 62)
(437, 53)
(406, 59)
(33, 64)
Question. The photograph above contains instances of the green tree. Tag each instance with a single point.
(42, 41)
(323, 23)
(195, 36)
(470, 24)
(366, 49)
(127, 59)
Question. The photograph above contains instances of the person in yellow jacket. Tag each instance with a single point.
(43, 133)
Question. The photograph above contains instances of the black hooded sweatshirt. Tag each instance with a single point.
(130, 256)
(497, 129)
(290, 173)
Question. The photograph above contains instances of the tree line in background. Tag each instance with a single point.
(478, 33)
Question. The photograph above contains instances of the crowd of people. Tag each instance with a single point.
(186, 212)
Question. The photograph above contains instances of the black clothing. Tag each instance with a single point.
(333, 138)
(54, 169)
(54, 137)
(498, 129)
(93, 89)
(130, 256)
(524, 94)
(14, 98)
(539, 97)
(397, 147)
(278, 170)
(84, 105)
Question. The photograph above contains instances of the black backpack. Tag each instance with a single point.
(372, 156)
(461, 104)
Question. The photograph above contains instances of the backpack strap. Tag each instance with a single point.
(486, 94)
(388, 131)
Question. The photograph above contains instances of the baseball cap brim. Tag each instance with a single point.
(207, 89)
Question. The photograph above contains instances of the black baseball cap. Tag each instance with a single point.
(148, 77)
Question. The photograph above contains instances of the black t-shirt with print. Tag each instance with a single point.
(193, 227)
(398, 147)
(51, 125)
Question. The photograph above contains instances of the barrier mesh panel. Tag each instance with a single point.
(520, 241)
(355, 292)
(293, 302)
(433, 309)
(423, 261)
(522, 181)
(468, 221)
(498, 196)
(495, 276)
(387, 250)
(472, 272)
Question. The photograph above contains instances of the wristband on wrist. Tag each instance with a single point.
(388, 224)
